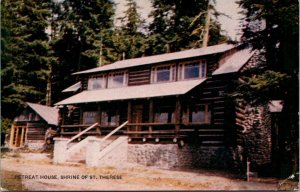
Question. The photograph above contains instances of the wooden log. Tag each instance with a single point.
(12, 135)
(237, 120)
(240, 109)
(240, 115)
(129, 112)
(177, 115)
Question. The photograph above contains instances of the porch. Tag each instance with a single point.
(153, 120)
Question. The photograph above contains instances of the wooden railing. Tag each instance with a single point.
(82, 132)
(114, 131)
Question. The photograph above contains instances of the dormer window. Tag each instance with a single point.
(192, 70)
(163, 73)
(118, 79)
(97, 82)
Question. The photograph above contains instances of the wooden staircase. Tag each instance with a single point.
(76, 153)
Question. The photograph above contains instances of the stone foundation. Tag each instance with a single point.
(170, 156)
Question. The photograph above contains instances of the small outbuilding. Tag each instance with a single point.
(30, 127)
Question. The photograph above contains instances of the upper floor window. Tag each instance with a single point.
(97, 82)
(192, 70)
(118, 79)
(163, 73)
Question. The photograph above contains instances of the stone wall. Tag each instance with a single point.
(171, 156)
(258, 144)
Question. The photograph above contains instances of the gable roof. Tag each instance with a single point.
(235, 62)
(72, 88)
(49, 114)
(161, 58)
(133, 92)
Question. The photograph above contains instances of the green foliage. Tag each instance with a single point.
(273, 26)
(82, 29)
(5, 125)
(128, 40)
(179, 24)
(25, 53)
(263, 87)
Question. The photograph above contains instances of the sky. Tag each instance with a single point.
(228, 7)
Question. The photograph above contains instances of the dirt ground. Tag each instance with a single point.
(35, 171)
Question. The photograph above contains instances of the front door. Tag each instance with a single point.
(17, 136)
(137, 116)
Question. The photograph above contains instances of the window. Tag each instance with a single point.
(96, 82)
(200, 114)
(90, 117)
(117, 79)
(164, 115)
(192, 70)
(109, 118)
(163, 73)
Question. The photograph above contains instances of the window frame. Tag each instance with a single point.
(207, 114)
(172, 73)
(111, 75)
(169, 110)
(107, 116)
(95, 116)
(202, 69)
(90, 87)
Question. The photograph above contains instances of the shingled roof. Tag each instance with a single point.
(49, 114)
(133, 92)
(161, 58)
(235, 62)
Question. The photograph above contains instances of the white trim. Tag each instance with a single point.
(112, 84)
(182, 65)
(154, 70)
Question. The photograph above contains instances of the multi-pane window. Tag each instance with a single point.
(163, 73)
(192, 70)
(90, 117)
(110, 118)
(200, 114)
(164, 115)
(119, 79)
(96, 82)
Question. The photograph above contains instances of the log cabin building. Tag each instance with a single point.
(29, 128)
(175, 104)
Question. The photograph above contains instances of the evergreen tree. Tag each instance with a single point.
(129, 40)
(273, 27)
(177, 24)
(84, 27)
(25, 53)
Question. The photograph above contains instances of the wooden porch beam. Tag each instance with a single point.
(151, 115)
(11, 139)
(177, 115)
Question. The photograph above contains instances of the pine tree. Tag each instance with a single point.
(177, 25)
(273, 27)
(129, 39)
(25, 64)
(84, 26)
